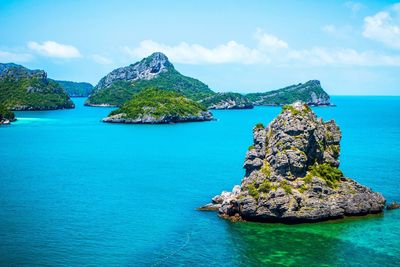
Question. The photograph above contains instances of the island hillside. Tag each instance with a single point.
(292, 174)
(154, 71)
(25, 89)
(310, 92)
(76, 89)
(157, 106)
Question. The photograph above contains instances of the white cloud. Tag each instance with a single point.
(384, 27)
(14, 57)
(269, 49)
(54, 49)
(269, 41)
(230, 52)
(101, 60)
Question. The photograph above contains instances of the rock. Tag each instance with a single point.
(292, 174)
(392, 206)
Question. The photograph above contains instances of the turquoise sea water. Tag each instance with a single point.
(78, 192)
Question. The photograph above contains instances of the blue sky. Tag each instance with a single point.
(353, 47)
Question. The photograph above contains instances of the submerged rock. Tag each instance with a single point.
(292, 174)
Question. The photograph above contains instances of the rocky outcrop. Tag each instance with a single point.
(292, 174)
(149, 119)
(227, 101)
(144, 70)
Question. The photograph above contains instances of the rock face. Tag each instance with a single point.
(292, 174)
(227, 101)
(310, 92)
(143, 70)
(164, 119)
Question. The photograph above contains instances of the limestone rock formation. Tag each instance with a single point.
(292, 174)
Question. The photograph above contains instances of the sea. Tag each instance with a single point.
(78, 192)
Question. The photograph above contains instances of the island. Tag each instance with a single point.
(292, 175)
(310, 93)
(25, 89)
(76, 89)
(121, 84)
(227, 100)
(6, 115)
(158, 106)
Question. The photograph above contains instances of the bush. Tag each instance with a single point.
(259, 126)
(253, 191)
(331, 175)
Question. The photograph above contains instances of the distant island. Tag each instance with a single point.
(25, 89)
(310, 92)
(76, 89)
(157, 106)
(292, 175)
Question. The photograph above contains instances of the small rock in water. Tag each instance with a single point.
(392, 206)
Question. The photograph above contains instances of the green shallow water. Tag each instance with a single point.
(78, 192)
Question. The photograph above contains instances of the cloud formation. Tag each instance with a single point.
(54, 49)
(268, 49)
(384, 27)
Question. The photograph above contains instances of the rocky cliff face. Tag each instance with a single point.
(146, 69)
(292, 174)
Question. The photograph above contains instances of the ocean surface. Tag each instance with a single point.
(78, 192)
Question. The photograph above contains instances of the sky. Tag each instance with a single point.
(352, 47)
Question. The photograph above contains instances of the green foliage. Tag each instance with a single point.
(303, 188)
(6, 114)
(265, 186)
(44, 93)
(335, 149)
(286, 187)
(251, 147)
(290, 94)
(259, 126)
(121, 91)
(266, 168)
(157, 103)
(253, 191)
(291, 109)
(331, 175)
(76, 89)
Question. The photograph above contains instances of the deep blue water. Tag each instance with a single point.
(77, 192)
